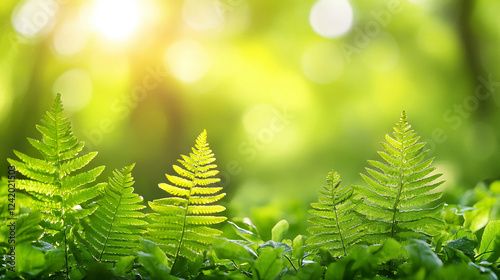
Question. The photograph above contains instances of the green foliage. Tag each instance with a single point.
(357, 232)
(269, 264)
(490, 242)
(279, 230)
(396, 200)
(114, 230)
(56, 189)
(336, 225)
(365, 262)
(180, 225)
(485, 202)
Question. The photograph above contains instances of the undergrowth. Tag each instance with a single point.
(71, 224)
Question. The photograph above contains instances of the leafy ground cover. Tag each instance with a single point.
(67, 223)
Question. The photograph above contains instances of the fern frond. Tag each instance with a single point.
(399, 191)
(180, 226)
(114, 229)
(56, 190)
(336, 225)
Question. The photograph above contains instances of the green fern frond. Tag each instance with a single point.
(115, 228)
(181, 223)
(396, 200)
(336, 225)
(56, 189)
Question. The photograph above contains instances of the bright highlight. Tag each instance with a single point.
(116, 19)
(188, 60)
(331, 18)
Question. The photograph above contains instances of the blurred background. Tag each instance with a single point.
(287, 90)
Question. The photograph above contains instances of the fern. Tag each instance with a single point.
(56, 189)
(396, 200)
(114, 229)
(336, 224)
(180, 225)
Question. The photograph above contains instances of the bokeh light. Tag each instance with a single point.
(331, 18)
(382, 53)
(202, 14)
(70, 38)
(187, 60)
(322, 63)
(75, 87)
(33, 18)
(116, 19)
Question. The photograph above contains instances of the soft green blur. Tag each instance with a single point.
(282, 104)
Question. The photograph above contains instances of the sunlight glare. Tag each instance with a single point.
(116, 20)
(331, 18)
(33, 18)
(75, 87)
(188, 60)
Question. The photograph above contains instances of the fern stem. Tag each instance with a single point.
(112, 221)
(184, 223)
(63, 206)
(400, 186)
(65, 249)
(337, 219)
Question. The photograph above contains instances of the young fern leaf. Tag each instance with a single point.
(336, 225)
(56, 189)
(180, 226)
(115, 228)
(399, 191)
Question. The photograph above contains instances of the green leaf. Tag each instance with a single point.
(279, 230)
(154, 261)
(478, 218)
(28, 227)
(124, 265)
(38, 258)
(390, 249)
(310, 271)
(231, 250)
(396, 202)
(180, 224)
(422, 260)
(490, 242)
(58, 189)
(114, 230)
(269, 264)
(246, 234)
(464, 244)
(29, 259)
(336, 225)
(454, 214)
(495, 187)
(298, 246)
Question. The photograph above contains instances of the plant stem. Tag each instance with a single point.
(290, 261)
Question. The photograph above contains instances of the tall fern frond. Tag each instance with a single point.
(57, 190)
(115, 228)
(336, 225)
(396, 200)
(181, 223)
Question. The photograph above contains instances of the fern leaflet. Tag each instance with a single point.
(114, 229)
(56, 189)
(180, 225)
(399, 191)
(336, 225)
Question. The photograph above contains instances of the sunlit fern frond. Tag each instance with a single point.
(180, 224)
(115, 228)
(61, 193)
(336, 225)
(399, 192)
